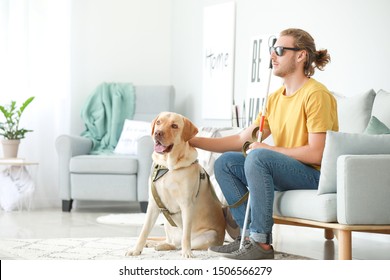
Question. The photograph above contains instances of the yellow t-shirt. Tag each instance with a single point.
(290, 119)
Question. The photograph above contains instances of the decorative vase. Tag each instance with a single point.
(10, 148)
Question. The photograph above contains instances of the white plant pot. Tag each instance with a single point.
(10, 148)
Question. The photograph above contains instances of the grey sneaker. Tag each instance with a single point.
(226, 249)
(251, 251)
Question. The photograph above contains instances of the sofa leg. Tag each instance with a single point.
(329, 234)
(345, 244)
(67, 205)
(144, 206)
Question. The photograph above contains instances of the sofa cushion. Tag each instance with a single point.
(306, 204)
(339, 143)
(114, 187)
(354, 112)
(131, 132)
(363, 189)
(104, 164)
(375, 126)
(380, 108)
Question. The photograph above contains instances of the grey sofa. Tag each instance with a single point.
(113, 177)
(354, 189)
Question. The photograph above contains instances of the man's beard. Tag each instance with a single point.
(289, 69)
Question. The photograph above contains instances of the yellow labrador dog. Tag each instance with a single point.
(198, 219)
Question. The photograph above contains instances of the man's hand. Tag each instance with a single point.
(258, 145)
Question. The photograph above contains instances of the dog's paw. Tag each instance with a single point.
(133, 253)
(187, 254)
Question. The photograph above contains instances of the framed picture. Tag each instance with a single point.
(261, 81)
(218, 60)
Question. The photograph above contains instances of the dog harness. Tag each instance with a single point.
(158, 172)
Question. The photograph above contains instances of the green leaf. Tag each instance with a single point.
(10, 128)
(25, 104)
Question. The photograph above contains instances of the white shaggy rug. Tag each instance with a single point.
(109, 248)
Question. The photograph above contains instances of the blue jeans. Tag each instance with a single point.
(261, 172)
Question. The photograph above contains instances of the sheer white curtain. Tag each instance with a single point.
(35, 61)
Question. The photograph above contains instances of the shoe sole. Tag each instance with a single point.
(232, 257)
(260, 255)
(214, 253)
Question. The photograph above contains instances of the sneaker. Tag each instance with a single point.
(226, 249)
(251, 251)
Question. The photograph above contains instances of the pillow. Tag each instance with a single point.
(131, 132)
(354, 111)
(375, 126)
(339, 143)
(380, 108)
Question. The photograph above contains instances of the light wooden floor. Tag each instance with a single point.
(53, 223)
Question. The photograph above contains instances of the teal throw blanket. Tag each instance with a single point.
(104, 114)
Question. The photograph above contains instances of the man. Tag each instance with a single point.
(298, 115)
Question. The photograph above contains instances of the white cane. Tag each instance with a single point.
(259, 139)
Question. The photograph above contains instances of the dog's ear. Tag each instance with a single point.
(189, 130)
(153, 124)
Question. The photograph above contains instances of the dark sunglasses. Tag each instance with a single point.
(280, 50)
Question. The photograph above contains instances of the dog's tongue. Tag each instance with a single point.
(159, 148)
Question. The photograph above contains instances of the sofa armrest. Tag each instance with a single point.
(144, 153)
(68, 146)
(363, 189)
(73, 145)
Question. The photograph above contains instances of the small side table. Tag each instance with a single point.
(17, 184)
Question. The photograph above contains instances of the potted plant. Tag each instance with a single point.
(10, 129)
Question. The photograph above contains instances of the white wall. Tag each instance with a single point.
(354, 32)
(160, 42)
(118, 41)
